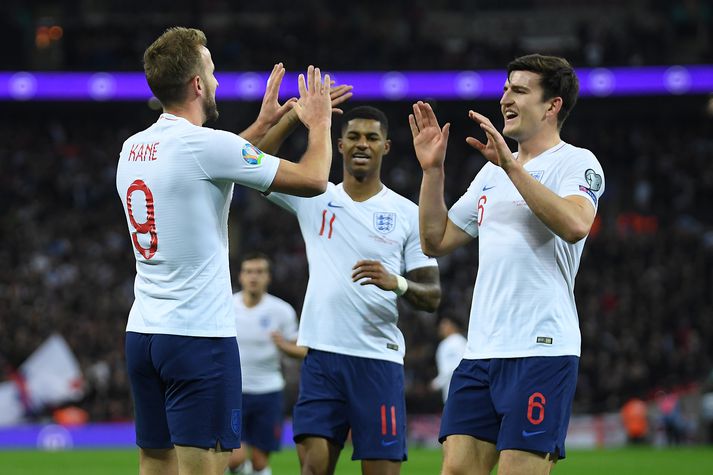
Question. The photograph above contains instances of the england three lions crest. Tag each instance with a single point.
(384, 222)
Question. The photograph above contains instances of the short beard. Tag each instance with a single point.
(210, 109)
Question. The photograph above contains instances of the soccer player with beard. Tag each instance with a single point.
(364, 252)
(175, 180)
(510, 398)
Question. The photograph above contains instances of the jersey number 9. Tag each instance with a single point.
(143, 228)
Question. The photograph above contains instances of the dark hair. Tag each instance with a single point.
(255, 255)
(557, 78)
(173, 60)
(366, 112)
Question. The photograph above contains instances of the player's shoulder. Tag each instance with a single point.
(142, 135)
(399, 200)
(581, 153)
(576, 158)
(277, 302)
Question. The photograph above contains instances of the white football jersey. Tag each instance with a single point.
(523, 301)
(259, 357)
(339, 315)
(175, 181)
(448, 355)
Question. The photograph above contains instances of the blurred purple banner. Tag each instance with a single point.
(375, 85)
(108, 435)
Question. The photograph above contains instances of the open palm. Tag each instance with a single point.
(429, 139)
(271, 111)
(495, 150)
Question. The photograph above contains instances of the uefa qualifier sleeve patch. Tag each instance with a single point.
(252, 155)
(594, 182)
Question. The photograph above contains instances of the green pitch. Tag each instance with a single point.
(632, 461)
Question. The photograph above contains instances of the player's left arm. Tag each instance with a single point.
(570, 217)
(288, 347)
(422, 287)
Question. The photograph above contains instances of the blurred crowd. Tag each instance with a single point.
(644, 289)
(402, 34)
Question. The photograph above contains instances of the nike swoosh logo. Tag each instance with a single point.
(387, 443)
(486, 188)
(530, 434)
(333, 205)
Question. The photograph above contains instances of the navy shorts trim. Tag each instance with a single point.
(262, 420)
(516, 403)
(186, 390)
(340, 392)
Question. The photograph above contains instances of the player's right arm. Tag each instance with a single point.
(439, 235)
(309, 176)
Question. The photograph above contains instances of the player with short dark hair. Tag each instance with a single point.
(364, 252)
(511, 397)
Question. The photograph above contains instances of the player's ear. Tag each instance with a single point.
(555, 107)
(196, 85)
(340, 146)
(387, 146)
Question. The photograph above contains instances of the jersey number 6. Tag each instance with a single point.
(481, 208)
(142, 228)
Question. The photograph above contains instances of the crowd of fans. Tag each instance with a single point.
(403, 34)
(644, 289)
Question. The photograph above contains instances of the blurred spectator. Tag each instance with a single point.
(674, 425)
(634, 416)
(449, 352)
(707, 408)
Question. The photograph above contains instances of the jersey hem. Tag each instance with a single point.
(518, 354)
(182, 332)
(349, 352)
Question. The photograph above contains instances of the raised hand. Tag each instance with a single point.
(339, 95)
(314, 107)
(495, 150)
(429, 139)
(271, 111)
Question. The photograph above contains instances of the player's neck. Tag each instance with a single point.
(535, 145)
(250, 300)
(189, 111)
(362, 189)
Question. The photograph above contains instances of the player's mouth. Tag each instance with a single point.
(510, 116)
(360, 158)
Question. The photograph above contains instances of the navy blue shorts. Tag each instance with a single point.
(516, 403)
(262, 420)
(186, 390)
(339, 392)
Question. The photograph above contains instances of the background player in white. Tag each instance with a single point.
(511, 396)
(449, 352)
(363, 250)
(266, 327)
(175, 180)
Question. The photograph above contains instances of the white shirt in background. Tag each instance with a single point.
(259, 356)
